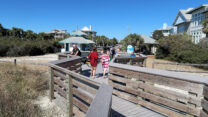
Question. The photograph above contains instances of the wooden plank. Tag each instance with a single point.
(205, 105)
(158, 99)
(129, 90)
(51, 84)
(59, 82)
(83, 96)
(158, 91)
(60, 74)
(69, 63)
(98, 108)
(77, 76)
(60, 91)
(77, 112)
(203, 114)
(80, 105)
(170, 103)
(75, 101)
(205, 91)
(76, 92)
(166, 81)
(149, 105)
(85, 87)
(69, 95)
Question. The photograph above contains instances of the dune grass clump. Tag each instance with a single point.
(19, 86)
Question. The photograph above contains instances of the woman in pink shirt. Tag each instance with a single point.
(105, 61)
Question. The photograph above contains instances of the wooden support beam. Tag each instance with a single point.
(51, 84)
(69, 95)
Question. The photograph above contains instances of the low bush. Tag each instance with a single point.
(14, 47)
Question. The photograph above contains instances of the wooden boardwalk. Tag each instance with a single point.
(121, 107)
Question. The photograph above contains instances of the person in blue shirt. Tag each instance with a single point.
(132, 55)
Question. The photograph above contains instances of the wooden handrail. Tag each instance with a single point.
(101, 105)
(169, 74)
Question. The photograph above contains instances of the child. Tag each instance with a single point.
(93, 61)
(105, 61)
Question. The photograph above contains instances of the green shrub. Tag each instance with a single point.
(180, 48)
(16, 47)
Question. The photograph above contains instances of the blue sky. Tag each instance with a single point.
(108, 17)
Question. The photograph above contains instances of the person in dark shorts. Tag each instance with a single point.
(113, 52)
(76, 51)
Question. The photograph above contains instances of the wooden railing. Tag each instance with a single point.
(169, 93)
(204, 111)
(124, 58)
(79, 92)
(137, 61)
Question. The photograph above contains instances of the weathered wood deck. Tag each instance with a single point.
(131, 90)
(121, 107)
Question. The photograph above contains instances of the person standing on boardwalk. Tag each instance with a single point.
(113, 52)
(76, 51)
(105, 61)
(93, 61)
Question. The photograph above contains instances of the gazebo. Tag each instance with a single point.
(79, 39)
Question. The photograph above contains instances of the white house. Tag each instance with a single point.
(182, 21)
(88, 31)
(196, 22)
(58, 33)
(167, 30)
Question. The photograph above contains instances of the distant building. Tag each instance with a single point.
(182, 21)
(89, 31)
(167, 30)
(198, 15)
(58, 33)
(78, 33)
(151, 43)
(78, 38)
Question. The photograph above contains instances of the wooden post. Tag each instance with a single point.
(15, 62)
(145, 62)
(69, 95)
(51, 84)
(153, 64)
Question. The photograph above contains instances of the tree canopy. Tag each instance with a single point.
(157, 34)
(132, 39)
(105, 41)
(19, 33)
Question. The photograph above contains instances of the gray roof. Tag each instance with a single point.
(76, 40)
(57, 31)
(168, 28)
(201, 6)
(78, 33)
(184, 14)
(148, 40)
